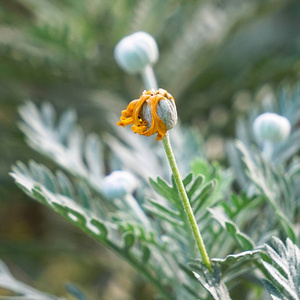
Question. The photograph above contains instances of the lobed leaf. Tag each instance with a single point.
(213, 284)
(26, 292)
(284, 270)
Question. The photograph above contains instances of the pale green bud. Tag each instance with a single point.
(136, 51)
(118, 184)
(271, 127)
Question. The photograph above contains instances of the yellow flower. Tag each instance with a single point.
(154, 112)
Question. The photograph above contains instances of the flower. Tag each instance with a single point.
(118, 184)
(136, 51)
(271, 127)
(154, 112)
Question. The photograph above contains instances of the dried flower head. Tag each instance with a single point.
(154, 112)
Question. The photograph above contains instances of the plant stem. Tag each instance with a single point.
(149, 78)
(185, 202)
(268, 149)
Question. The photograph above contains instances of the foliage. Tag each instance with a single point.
(142, 244)
(9, 283)
(62, 50)
(156, 239)
(284, 283)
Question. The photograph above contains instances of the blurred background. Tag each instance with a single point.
(217, 58)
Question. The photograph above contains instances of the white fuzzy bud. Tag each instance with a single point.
(271, 127)
(136, 51)
(118, 184)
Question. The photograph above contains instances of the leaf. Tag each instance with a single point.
(164, 189)
(244, 241)
(8, 282)
(163, 212)
(84, 195)
(196, 184)
(93, 155)
(48, 114)
(287, 149)
(132, 151)
(120, 235)
(202, 196)
(233, 258)
(64, 142)
(65, 185)
(101, 227)
(141, 234)
(163, 208)
(187, 180)
(273, 291)
(128, 240)
(213, 283)
(201, 167)
(165, 217)
(75, 292)
(66, 124)
(280, 280)
(51, 195)
(274, 185)
(146, 254)
(284, 270)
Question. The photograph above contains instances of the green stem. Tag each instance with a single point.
(185, 202)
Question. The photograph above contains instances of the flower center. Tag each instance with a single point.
(142, 122)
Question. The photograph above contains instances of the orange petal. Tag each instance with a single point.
(157, 124)
(126, 118)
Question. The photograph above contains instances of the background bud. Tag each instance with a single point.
(118, 184)
(271, 127)
(136, 51)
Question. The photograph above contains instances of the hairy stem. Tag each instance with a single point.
(149, 78)
(268, 149)
(185, 202)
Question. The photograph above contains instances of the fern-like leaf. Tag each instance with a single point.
(274, 185)
(63, 142)
(24, 291)
(284, 270)
(212, 283)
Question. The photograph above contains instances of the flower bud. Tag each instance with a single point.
(154, 112)
(135, 51)
(271, 127)
(118, 184)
